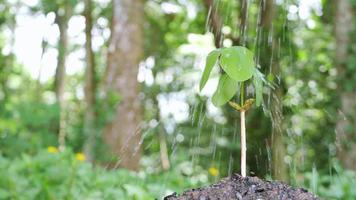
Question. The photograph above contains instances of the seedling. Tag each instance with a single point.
(238, 67)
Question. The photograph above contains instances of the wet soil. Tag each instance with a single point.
(248, 188)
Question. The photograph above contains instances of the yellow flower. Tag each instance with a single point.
(80, 156)
(213, 171)
(52, 149)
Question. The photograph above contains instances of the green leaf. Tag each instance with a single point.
(237, 62)
(225, 91)
(211, 60)
(258, 83)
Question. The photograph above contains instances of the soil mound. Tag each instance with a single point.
(248, 188)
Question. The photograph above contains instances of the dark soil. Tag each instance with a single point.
(248, 188)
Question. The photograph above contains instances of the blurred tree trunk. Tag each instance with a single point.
(268, 58)
(243, 22)
(90, 86)
(215, 22)
(62, 21)
(345, 129)
(6, 63)
(163, 147)
(38, 92)
(122, 134)
(161, 136)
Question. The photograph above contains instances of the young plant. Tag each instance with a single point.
(238, 67)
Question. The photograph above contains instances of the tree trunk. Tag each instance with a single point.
(268, 59)
(243, 22)
(90, 86)
(214, 23)
(163, 150)
(345, 128)
(38, 92)
(62, 21)
(125, 53)
(5, 65)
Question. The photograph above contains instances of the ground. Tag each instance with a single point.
(248, 188)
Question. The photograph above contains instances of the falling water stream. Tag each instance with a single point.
(222, 125)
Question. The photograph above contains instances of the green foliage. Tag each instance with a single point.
(225, 91)
(308, 80)
(237, 62)
(53, 175)
(338, 184)
(211, 60)
(349, 77)
(30, 126)
(48, 6)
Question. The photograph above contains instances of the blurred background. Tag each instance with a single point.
(99, 99)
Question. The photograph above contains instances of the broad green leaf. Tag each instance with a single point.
(225, 91)
(237, 62)
(258, 83)
(210, 63)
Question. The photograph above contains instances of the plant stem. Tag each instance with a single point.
(243, 132)
(243, 143)
(242, 94)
